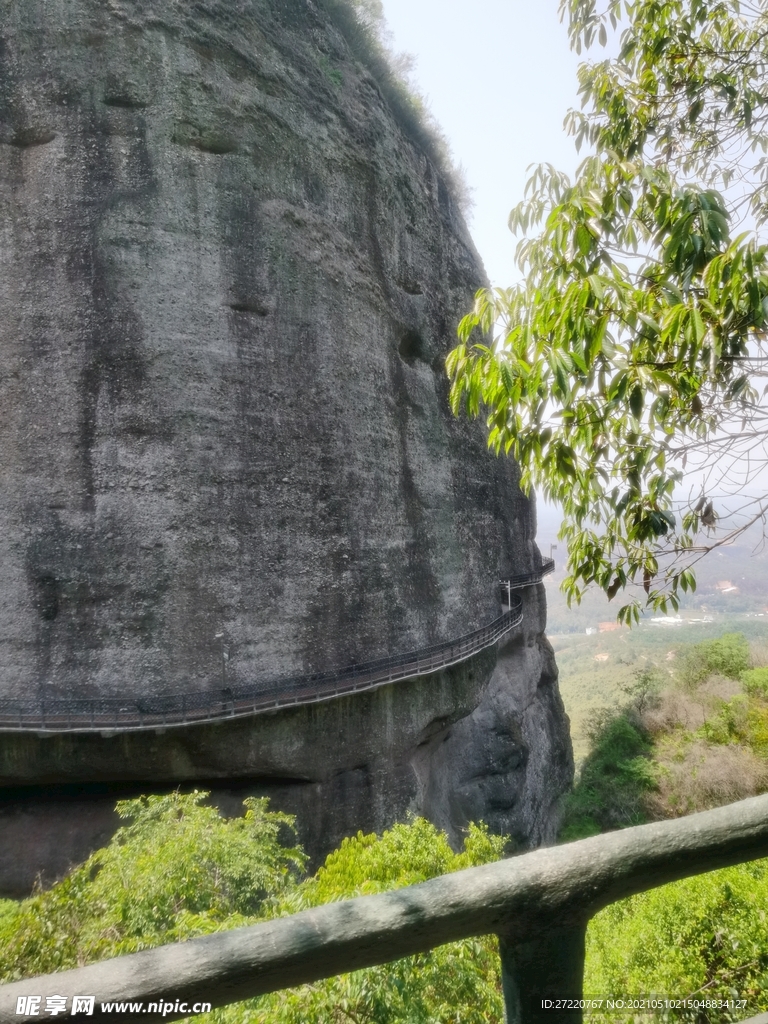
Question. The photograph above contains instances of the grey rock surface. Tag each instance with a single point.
(484, 740)
(229, 276)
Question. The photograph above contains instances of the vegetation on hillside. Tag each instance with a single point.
(673, 748)
(702, 939)
(177, 869)
(679, 746)
(595, 671)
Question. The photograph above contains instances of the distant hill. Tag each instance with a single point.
(730, 580)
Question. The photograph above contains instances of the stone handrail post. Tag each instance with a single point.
(552, 964)
(537, 903)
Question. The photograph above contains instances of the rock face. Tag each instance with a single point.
(229, 276)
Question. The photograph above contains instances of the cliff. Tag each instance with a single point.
(230, 270)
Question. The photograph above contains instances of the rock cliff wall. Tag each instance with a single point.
(229, 276)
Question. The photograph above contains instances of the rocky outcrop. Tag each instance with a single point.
(229, 276)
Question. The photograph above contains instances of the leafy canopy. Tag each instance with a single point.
(703, 938)
(177, 869)
(631, 349)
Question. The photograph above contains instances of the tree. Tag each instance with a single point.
(632, 350)
(177, 869)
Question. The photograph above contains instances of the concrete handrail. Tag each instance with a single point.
(538, 903)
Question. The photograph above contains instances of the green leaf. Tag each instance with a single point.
(636, 401)
(584, 239)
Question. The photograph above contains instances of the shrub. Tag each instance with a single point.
(645, 689)
(454, 984)
(755, 681)
(705, 937)
(729, 723)
(697, 775)
(176, 869)
(614, 779)
(728, 656)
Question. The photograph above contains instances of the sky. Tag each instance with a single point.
(499, 77)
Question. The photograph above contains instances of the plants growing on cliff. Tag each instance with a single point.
(363, 25)
(632, 349)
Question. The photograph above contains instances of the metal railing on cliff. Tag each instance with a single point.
(538, 904)
(130, 714)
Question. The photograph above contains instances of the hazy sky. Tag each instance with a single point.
(499, 78)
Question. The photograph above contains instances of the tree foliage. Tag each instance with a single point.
(700, 939)
(632, 348)
(704, 938)
(727, 656)
(454, 984)
(177, 869)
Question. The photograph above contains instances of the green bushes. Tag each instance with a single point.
(614, 779)
(454, 984)
(669, 753)
(727, 656)
(755, 681)
(704, 938)
(177, 869)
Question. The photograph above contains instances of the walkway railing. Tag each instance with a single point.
(129, 713)
(538, 904)
(525, 579)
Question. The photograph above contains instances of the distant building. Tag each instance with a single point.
(726, 587)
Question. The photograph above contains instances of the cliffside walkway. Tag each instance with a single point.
(130, 714)
(538, 904)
